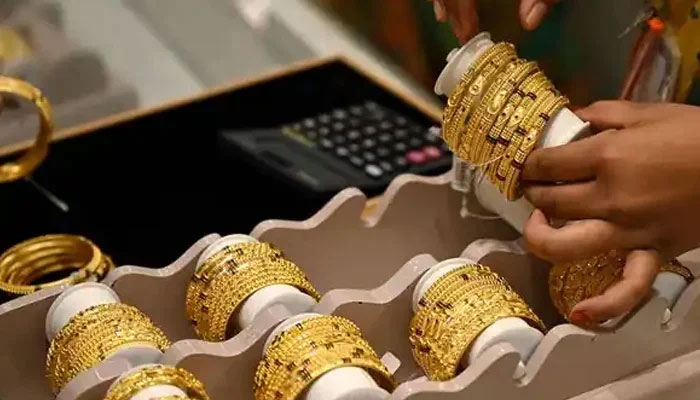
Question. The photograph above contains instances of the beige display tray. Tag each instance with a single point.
(366, 269)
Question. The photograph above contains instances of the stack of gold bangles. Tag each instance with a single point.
(24, 165)
(155, 375)
(94, 335)
(455, 310)
(571, 283)
(496, 113)
(229, 277)
(309, 349)
(31, 260)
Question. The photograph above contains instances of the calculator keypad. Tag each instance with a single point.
(372, 139)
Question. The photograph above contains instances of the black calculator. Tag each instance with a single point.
(363, 145)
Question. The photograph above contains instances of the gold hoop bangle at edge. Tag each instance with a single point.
(146, 377)
(29, 161)
(29, 260)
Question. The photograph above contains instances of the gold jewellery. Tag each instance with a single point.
(25, 164)
(309, 349)
(572, 283)
(29, 261)
(229, 277)
(455, 310)
(156, 375)
(94, 335)
(494, 117)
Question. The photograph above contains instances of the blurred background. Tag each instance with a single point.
(96, 58)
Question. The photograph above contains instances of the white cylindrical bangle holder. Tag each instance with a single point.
(563, 128)
(514, 331)
(345, 383)
(295, 300)
(83, 296)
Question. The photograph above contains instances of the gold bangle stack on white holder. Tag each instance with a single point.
(565, 127)
(66, 312)
(291, 297)
(512, 330)
(343, 383)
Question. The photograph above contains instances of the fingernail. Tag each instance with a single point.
(580, 318)
(439, 10)
(535, 15)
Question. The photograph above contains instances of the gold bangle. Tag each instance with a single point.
(128, 386)
(32, 259)
(475, 125)
(571, 283)
(25, 164)
(542, 117)
(229, 277)
(464, 137)
(96, 334)
(304, 352)
(515, 132)
(460, 102)
(455, 310)
(493, 105)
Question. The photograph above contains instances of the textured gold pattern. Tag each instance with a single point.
(495, 115)
(27, 163)
(226, 279)
(310, 348)
(571, 283)
(156, 375)
(455, 310)
(94, 335)
(28, 261)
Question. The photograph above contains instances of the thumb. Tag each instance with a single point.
(532, 12)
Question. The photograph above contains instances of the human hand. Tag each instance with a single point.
(463, 17)
(635, 186)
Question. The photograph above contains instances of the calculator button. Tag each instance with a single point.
(357, 161)
(432, 152)
(309, 123)
(386, 166)
(354, 134)
(383, 151)
(354, 147)
(370, 105)
(370, 130)
(385, 138)
(416, 157)
(369, 156)
(324, 118)
(374, 171)
(326, 143)
(401, 121)
(342, 151)
(400, 134)
(368, 143)
(339, 139)
(400, 147)
(297, 126)
(338, 127)
(356, 110)
(340, 114)
(386, 125)
(431, 138)
(400, 162)
(324, 131)
(354, 122)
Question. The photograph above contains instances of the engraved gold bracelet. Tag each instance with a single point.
(155, 375)
(25, 164)
(32, 259)
(455, 310)
(571, 283)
